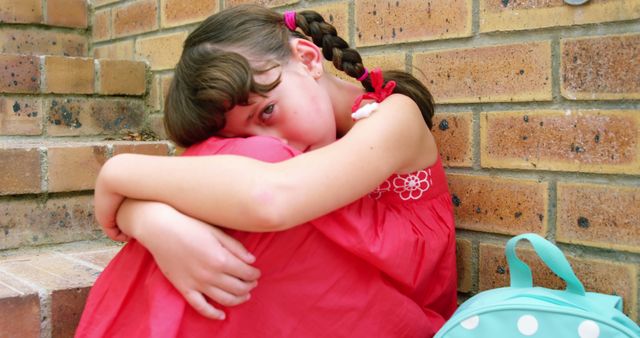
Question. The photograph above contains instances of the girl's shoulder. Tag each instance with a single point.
(263, 148)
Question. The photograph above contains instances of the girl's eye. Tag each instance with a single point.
(267, 113)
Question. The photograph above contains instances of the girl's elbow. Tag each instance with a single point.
(111, 167)
(106, 175)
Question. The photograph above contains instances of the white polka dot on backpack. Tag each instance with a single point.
(470, 323)
(528, 325)
(588, 329)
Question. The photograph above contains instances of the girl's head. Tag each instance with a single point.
(243, 72)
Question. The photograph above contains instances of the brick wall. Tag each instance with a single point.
(63, 113)
(538, 120)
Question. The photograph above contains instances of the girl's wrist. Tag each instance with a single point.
(142, 219)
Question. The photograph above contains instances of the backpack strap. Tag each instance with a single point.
(550, 255)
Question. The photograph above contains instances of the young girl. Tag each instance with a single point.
(382, 265)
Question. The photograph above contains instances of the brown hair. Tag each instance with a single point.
(221, 56)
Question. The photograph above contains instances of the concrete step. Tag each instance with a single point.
(46, 188)
(43, 290)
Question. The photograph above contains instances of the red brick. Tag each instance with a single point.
(20, 316)
(28, 222)
(517, 72)
(17, 217)
(121, 77)
(67, 13)
(454, 135)
(499, 205)
(19, 170)
(147, 148)
(81, 116)
(120, 50)
(66, 309)
(464, 265)
(605, 68)
(21, 11)
(66, 75)
(20, 116)
(156, 124)
(101, 29)
(74, 167)
(585, 140)
(379, 23)
(162, 51)
(42, 42)
(19, 73)
(599, 215)
(179, 12)
(67, 219)
(596, 275)
(135, 17)
(518, 15)
(19, 308)
(268, 3)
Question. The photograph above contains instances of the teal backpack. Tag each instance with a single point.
(522, 310)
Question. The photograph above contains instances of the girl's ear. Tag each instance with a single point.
(309, 55)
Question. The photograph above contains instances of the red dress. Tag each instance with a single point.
(383, 266)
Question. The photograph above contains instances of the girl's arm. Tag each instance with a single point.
(246, 194)
(218, 264)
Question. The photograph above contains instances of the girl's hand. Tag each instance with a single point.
(199, 260)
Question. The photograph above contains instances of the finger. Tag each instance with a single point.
(235, 247)
(115, 234)
(224, 298)
(232, 285)
(233, 266)
(122, 238)
(200, 304)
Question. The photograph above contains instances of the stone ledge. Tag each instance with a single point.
(43, 289)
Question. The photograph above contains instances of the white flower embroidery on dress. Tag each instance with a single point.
(412, 186)
(382, 188)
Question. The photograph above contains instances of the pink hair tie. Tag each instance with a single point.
(290, 20)
(364, 75)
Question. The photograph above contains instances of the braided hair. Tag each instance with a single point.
(348, 60)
